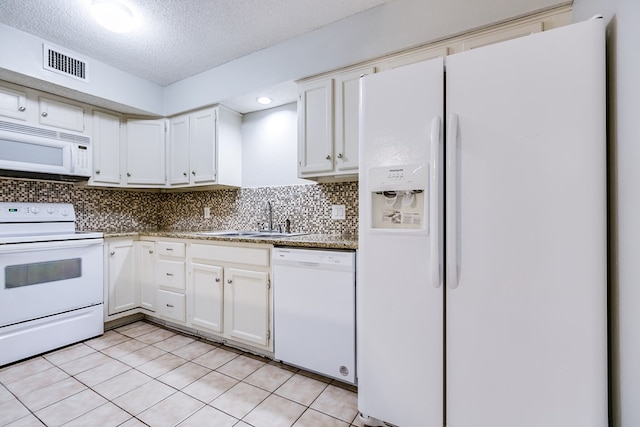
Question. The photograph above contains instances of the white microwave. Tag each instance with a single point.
(34, 152)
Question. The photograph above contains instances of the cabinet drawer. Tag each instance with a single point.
(171, 305)
(175, 249)
(235, 254)
(170, 274)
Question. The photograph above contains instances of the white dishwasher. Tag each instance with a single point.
(314, 310)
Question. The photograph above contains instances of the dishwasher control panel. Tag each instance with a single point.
(314, 256)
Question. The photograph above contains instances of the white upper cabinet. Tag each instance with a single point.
(106, 148)
(63, 115)
(13, 103)
(205, 148)
(145, 148)
(328, 125)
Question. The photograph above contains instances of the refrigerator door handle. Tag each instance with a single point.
(434, 201)
(451, 203)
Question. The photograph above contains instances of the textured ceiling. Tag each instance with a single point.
(176, 39)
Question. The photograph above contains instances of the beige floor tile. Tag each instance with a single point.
(24, 369)
(84, 363)
(173, 343)
(184, 375)
(5, 394)
(210, 386)
(301, 389)
(194, 350)
(161, 365)
(239, 400)
(137, 329)
(45, 396)
(216, 358)
(121, 384)
(12, 410)
(36, 381)
(107, 415)
(171, 411)
(312, 418)
(337, 402)
(209, 416)
(133, 422)
(108, 339)
(142, 356)
(28, 421)
(70, 408)
(275, 411)
(123, 348)
(69, 353)
(241, 367)
(102, 373)
(143, 397)
(155, 336)
(269, 377)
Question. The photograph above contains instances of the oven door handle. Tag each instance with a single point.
(48, 246)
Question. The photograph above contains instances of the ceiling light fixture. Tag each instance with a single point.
(114, 16)
(264, 100)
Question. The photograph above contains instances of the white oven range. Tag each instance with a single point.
(51, 290)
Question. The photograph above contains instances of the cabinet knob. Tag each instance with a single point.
(229, 281)
(184, 174)
(112, 253)
(21, 109)
(45, 114)
(97, 171)
(193, 173)
(150, 251)
(217, 280)
(128, 174)
(328, 157)
(340, 155)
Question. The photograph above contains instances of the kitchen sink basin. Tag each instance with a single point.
(249, 233)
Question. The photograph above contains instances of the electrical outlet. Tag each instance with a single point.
(338, 212)
(207, 213)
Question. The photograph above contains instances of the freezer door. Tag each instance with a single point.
(400, 296)
(526, 232)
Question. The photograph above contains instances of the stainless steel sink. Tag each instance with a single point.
(249, 233)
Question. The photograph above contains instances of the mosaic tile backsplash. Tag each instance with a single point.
(308, 207)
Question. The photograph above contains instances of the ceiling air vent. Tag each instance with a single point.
(56, 60)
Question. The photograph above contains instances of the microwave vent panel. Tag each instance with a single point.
(44, 133)
(60, 62)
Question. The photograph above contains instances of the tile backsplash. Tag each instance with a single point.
(308, 207)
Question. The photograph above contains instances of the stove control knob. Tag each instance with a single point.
(35, 210)
(65, 212)
(50, 211)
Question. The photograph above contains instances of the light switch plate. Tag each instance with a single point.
(207, 213)
(338, 212)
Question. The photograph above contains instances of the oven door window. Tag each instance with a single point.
(42, 272)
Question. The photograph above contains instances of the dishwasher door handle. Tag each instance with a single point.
(308, 264)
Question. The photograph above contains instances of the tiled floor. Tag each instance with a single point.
(141, 374)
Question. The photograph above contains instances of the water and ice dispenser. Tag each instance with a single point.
(399, 197)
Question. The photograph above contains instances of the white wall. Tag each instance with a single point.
(269, 147)
(623, 36)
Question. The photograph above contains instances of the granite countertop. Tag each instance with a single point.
(323, 241)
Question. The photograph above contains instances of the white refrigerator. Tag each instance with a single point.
(482, 287)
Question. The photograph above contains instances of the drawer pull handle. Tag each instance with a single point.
(170, 305)
(150, 251)
(169, 249)
(169, 274)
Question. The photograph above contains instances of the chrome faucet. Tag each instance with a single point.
(269, 210)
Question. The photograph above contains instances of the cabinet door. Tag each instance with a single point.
(146, 152)
(61, 114)
(123, 293)
(347, 119)
(206, 297)
(315, 128)
(13, 103)
(246, 305)
(203, 146)
(145, 267)
(178, 158)
(106, 148)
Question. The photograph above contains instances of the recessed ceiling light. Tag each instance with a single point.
(264, 100)
(112, 15)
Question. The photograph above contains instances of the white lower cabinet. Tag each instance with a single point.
(145, 272)
(121, 291)
(229, 292)
(171, 305)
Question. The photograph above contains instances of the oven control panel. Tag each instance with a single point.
(36, 212)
